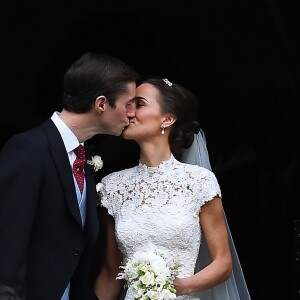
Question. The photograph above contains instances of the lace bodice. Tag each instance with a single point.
(159, 206)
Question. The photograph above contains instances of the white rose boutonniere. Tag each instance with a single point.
(96, 162)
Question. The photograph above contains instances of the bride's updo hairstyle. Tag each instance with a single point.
(180, 102)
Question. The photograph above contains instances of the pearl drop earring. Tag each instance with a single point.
(163, 129)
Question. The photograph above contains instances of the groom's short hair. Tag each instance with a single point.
(94, 75)
(8, 293)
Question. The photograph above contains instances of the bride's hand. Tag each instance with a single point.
(181, 286)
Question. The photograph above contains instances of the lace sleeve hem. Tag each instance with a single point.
(103, 199)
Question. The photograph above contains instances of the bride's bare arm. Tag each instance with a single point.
(214, 227)
(106, 286)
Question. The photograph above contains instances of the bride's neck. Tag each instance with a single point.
(153, 157)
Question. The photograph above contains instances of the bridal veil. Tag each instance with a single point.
(235, 287)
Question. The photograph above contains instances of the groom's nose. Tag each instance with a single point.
(130, 110)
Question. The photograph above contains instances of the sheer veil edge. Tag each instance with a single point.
(235, 287)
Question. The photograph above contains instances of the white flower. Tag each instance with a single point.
(150, 275)
(148, 278)
(166, 294)
(96, 162)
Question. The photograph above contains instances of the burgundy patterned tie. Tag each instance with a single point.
(78, 166)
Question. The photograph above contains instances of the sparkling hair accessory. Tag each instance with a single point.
(169, 83)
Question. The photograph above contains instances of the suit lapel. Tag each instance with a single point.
(92, 225)
(61, 160)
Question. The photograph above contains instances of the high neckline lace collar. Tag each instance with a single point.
(160, 169)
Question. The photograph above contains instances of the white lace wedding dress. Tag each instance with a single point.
(159, 206)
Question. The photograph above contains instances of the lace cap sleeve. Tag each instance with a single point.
(208, 186)
(104, 200)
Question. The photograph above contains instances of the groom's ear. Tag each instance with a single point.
(100, 103)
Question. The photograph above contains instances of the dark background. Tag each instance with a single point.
(240, 57)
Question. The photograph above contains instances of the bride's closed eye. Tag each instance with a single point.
(139, 103)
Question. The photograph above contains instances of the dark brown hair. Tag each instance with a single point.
(93, 75)
(177, 100)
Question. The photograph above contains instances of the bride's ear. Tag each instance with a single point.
(168, 120)
(100, 103)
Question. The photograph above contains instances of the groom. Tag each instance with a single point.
(48, 225)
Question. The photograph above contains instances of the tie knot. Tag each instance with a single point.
(80, 152)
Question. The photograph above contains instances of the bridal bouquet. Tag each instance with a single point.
(150, 275)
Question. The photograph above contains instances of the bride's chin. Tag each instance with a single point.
(126, 133)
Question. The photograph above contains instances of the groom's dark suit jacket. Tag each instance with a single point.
(42, 243)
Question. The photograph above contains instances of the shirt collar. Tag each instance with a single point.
(70, 140)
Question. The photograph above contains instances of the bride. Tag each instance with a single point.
(175, 206)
